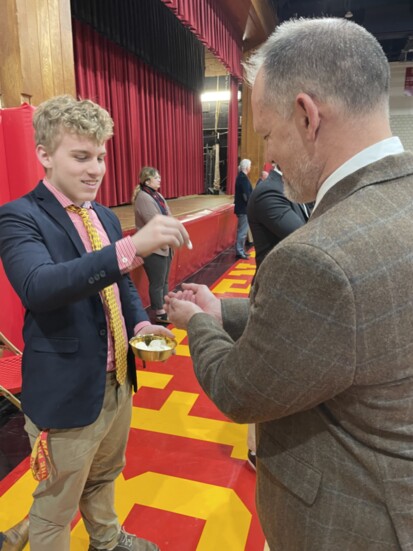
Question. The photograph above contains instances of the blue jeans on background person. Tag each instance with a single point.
(242, 231)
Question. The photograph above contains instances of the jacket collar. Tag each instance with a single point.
(48, 202)
(389, 168)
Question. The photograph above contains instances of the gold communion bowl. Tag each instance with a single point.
(152, 348)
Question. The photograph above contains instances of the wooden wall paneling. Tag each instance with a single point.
(45, 36)
(238, 11)
(252, 145)
(66, 41)
(55, 33)
(267, 19)
(37, 50)
(32, 86)
(213, 66)
(10, 74)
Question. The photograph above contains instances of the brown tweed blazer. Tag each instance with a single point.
(322, 360)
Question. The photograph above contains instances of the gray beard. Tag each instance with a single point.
(302, 187)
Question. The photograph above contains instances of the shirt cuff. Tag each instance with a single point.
(126, 255)
(140, 326)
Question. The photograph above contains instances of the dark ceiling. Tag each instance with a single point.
(391, 21)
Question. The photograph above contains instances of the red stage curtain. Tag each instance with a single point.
(157, 122)
(232, 151)
(213, 27)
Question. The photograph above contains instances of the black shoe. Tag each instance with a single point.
(16, 537)
(162, 319)
(244, 256)
(252, 459)
(130, 542)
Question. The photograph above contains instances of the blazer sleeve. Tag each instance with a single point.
(42, 263)
(274, 211)
(298, 346)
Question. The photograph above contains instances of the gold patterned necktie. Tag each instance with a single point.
(115, 319)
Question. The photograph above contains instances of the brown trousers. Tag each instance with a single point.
(86, 462)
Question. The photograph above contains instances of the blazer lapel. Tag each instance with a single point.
(51, 205)
(389, 168)
(107, 221)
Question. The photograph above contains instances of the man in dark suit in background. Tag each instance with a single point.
(271, 216)
(65, 257)
(263, 176)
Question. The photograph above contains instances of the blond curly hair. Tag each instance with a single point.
(66, 114)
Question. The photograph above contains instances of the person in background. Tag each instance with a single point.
(16, 537)
(243, 190)
(263, 176)
(321, 355)
(271, 218)
(148, 202)
(66, 258)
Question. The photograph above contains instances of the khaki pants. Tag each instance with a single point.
(86, 461)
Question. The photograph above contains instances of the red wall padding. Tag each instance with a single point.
(23, 168)
(19, 173)
(211, 232)
(4, 180)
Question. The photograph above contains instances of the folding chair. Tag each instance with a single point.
(10, 370)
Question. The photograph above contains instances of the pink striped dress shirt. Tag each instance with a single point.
(125, 253)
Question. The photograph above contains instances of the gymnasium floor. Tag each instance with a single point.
(186, 485)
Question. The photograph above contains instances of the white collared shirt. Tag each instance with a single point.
(384, 148)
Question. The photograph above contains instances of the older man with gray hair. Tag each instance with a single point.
(243, 190)
(322, 356)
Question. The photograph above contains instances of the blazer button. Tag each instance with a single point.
(97, 277)
(102, 332)
(91, 280)
(102, 273)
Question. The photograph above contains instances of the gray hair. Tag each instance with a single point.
(244, 165)
(327, 58)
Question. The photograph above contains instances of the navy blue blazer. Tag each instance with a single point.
(65, 331)
(243, 190)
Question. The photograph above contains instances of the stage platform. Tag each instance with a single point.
(211, 224)
(180, 207)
